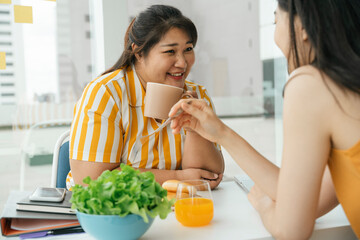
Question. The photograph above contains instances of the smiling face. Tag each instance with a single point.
(169, 61)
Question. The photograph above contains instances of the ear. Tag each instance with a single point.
(299, 28)
(137, 55)
(304, 34)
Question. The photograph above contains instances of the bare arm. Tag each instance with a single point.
(201, 153)
(288, 201)
(206, 124)
(328, 199)
(304, 191)
(265, 174)
(82, 169)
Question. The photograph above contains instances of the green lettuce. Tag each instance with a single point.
(121, 193)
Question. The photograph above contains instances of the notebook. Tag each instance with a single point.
(31, 221)
(51, 207)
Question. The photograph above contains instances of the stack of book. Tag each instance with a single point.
(22, 216)
(50, 207)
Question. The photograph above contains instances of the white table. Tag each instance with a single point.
(234, 218)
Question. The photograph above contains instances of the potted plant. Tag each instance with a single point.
(120, 204)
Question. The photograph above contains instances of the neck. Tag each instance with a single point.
(138, 72)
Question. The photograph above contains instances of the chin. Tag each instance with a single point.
(179, 84)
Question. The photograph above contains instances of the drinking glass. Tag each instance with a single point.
(194, 205)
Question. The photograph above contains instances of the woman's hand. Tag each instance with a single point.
(195, 173)
(197, 116)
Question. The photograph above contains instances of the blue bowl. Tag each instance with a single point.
(114, 227)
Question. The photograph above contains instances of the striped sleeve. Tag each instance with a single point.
(204, 95)
(201, 92)
(96, 134)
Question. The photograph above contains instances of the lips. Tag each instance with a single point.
(176, 76)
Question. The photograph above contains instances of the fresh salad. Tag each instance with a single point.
(121, 193)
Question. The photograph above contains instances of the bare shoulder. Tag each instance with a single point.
(305, 70)
(309, 85)
(313, 97)
(307, 100)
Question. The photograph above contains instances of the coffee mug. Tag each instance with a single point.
(160, 98)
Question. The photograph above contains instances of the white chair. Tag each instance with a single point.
(26, 144)
(60, 164)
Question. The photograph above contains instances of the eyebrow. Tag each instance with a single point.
(174, 44)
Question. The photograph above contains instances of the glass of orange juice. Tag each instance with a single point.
(194, 205)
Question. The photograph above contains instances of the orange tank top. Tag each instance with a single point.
(345, 172)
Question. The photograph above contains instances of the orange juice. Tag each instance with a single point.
(193, 212)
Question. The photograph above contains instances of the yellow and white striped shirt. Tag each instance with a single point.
(109, 118)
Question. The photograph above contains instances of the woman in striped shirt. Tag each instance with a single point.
(109, 117)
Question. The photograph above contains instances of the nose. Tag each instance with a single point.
(180, 61)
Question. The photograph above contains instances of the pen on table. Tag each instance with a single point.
(65, 231)
(51, 232)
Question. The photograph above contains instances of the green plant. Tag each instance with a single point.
(121, 193)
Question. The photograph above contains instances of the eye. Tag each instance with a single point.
(189, 49)
(170, 51)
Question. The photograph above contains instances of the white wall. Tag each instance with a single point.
(228, 60)
(73, 46)
(268, 48)
(234, 37)
(109, 23)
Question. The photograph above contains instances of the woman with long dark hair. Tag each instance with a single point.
(321, 117)
(109, 117)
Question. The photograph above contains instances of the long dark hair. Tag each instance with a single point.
(147, 29)
(333, 28)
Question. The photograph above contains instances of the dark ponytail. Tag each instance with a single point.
(147, 29)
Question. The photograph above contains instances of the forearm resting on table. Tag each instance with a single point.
(82, 169)
(202, 154)
(283, 227)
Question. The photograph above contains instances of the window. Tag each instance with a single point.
(50, 61)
